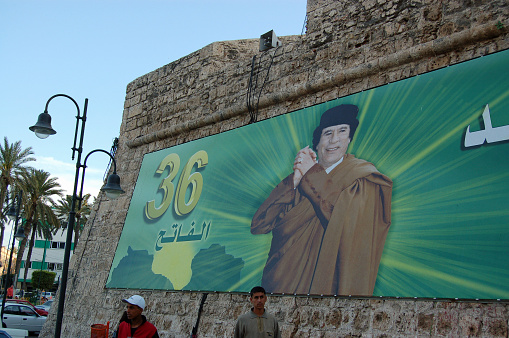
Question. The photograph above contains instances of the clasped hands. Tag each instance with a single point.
(305, 159)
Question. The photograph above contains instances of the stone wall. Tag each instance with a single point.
(349, 46)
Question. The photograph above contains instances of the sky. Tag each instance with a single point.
(93, 49)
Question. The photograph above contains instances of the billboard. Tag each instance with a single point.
(436, 224)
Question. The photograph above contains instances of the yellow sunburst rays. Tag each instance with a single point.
(233, 231)
(469, 279)
(385, 120)
(416, 139)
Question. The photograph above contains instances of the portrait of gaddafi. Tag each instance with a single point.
(329, 218)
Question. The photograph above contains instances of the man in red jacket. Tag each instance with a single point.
(136, 324)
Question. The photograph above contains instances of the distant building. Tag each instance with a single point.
(46, 255)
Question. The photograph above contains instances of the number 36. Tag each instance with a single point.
(195, 180)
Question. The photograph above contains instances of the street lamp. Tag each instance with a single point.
(43, 129)
(19, 234)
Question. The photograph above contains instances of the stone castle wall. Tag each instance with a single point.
(349, 47)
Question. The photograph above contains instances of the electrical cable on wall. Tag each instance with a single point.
(113, 151)
(252, 88)
(194, 332)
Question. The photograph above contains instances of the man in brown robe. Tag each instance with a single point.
(329, 218)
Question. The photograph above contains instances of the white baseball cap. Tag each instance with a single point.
(135, 300)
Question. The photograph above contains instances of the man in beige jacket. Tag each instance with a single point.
(329, 218)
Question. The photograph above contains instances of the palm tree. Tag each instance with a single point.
(12, 160)
(38, 189)
(63, 208)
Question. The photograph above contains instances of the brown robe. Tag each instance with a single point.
(328, 234)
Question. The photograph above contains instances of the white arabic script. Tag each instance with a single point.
(489, 134)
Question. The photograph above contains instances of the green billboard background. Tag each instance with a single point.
(449, 236)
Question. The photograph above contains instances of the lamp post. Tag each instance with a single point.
(112, 188)
(19, 234)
